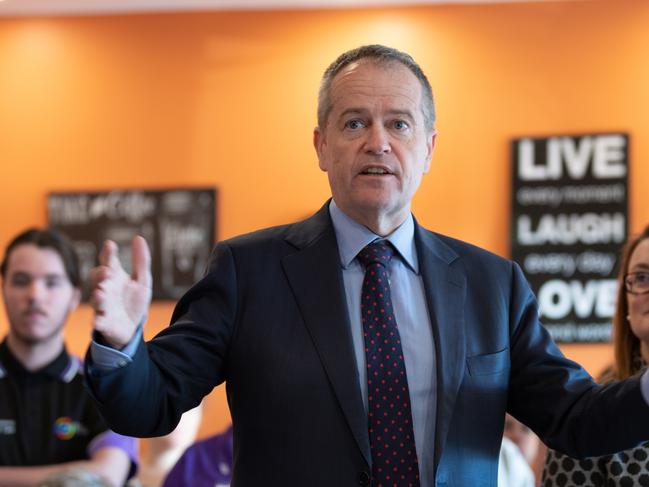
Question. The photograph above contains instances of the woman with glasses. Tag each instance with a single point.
(631, 345)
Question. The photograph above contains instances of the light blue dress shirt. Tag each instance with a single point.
(105, 358)
(413, 320)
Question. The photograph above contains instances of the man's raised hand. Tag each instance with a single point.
(120, 301)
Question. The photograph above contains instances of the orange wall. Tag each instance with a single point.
(228, 99)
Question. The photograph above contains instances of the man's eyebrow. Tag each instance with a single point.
(49, 275)
(353, 110)
(361, 111)
(404, 113)
(53, 275)
(19, 275)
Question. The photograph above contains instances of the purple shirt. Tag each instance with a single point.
(207, 463)
(111, 439)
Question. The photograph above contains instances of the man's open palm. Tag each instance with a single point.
(120, 301)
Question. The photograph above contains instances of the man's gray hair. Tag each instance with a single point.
(381, 55)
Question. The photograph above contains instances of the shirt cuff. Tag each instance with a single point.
(105, 358)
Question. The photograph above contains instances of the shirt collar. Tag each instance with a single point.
(352, 237)
(64, 367)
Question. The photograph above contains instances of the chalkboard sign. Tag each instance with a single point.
(569, 222)
(178, 224)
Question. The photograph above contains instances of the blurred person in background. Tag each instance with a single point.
(75, 477)
(48, 422)
(207, 463)
(160, 453)
(631, 345)
(529, 446)
(513, 469)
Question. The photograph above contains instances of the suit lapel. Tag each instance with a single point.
(315, 277)
(445, 286)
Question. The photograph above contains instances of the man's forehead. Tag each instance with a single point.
(368, 67)
(32, 259)
(371, 80)
(374, 63)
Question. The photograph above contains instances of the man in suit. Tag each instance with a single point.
(323, 387)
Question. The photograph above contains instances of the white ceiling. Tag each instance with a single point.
(98, 7)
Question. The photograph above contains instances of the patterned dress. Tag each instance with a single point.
(629, 468)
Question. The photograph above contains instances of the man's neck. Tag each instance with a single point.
(35, 356)
(380, 224)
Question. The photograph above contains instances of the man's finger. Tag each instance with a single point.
(97, 275)
(96, 300)
(141, 258)
(109, 255)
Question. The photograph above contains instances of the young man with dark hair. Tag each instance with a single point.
(48, 422)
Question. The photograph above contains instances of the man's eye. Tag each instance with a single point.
(52, 282)
(354, 124)
(400, 125)
(20, 280)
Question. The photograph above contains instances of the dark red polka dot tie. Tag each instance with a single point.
(392, 441)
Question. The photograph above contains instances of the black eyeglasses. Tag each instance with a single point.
(637, 282)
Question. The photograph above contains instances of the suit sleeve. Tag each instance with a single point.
(178, 367)
(558, 399)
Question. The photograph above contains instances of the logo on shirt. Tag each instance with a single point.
(65, 428)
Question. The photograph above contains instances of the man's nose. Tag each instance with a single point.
(378, 140)
(35, 290)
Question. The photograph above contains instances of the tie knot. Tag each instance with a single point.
(379, 252)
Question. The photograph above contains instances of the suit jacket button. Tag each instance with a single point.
(364, 478)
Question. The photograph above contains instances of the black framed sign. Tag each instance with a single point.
(179, 225)
(569, 222)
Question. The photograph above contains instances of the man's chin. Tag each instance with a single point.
(33, 336)
(376, 199)
(380, 206)
(28, 338)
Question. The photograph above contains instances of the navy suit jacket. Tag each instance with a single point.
(270, 319)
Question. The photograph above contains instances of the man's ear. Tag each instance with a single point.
(319, 141)
(430, 147)
(75, 300)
